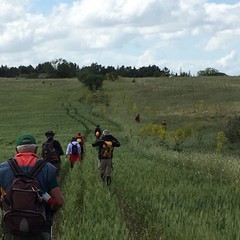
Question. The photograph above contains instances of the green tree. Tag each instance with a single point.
(46, 68)
(210, 72)
(92, 81)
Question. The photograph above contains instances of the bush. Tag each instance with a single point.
(233, 130)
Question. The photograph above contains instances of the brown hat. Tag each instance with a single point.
(49, 133)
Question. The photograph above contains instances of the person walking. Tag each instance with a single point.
(137, 118)
(73, 152)
(26, 160)
(52, 150)
(81, 140)
(106, 144)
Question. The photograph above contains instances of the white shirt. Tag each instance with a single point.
(69, 147)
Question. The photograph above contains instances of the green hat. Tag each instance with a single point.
(25, 139)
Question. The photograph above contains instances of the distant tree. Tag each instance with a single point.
(185, 74)
(26, 70)
(3, 71)
(58, 68)
(92, 81)
(210, 72)
(46, 68)
(65, 69)
(13, 72)
(166, 72)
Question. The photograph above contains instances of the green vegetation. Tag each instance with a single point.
(179, 183)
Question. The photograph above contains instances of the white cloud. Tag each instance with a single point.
(223, 39)
(228, 59)
(120, 32)
(147, 58)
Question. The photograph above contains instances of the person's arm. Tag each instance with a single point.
(79, 148)
(68, 149)
(59, 148)
(115, 142)
(56, 194)
(97, 143)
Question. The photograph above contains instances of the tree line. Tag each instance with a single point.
(61, 68)
(92, 76)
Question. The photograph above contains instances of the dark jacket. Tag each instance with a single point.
(99, 143)
(57, 146)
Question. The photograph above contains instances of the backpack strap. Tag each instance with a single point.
(37, 168)
(34, 171)
(14, 166)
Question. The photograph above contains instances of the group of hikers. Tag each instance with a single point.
(30, 185)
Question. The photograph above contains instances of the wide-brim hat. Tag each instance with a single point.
(49, 133)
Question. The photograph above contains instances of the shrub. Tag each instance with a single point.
(233, 130)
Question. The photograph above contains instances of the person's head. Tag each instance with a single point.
(26, 143)
(105, 132)
(74, 139)
(78, 135)
(49, 134)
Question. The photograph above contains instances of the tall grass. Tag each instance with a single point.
(156, 193)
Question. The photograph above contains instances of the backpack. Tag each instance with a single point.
(49, 153)
(107, 149)
(74, 149)
(23, 209)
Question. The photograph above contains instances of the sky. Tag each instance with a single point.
(182, 35)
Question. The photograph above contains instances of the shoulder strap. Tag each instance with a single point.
(37, 168)
(49, 142)
(14, 166)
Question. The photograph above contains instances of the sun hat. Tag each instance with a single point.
(49, 133)
(25, 139)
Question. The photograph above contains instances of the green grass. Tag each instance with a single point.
(157, 193)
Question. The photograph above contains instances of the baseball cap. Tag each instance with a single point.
(25, 139)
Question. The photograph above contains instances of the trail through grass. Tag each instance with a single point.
(156, 193)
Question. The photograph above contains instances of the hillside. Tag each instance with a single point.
(159, 191)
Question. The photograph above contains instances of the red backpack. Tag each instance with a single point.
(23, 210)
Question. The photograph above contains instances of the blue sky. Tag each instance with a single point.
(182, 35)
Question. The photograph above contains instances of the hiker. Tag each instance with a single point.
(106, 144)
(73, 152)
(81, 140)
(52, 150)
(164, 123)
(23, 225)
(97, 132)
(137, 118)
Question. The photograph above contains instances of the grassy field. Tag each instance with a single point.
(157, 192)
